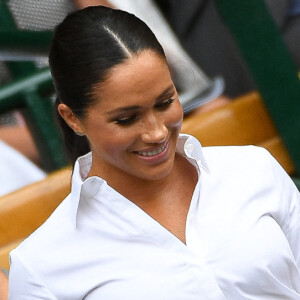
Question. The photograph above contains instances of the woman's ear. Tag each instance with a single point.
(69, 117)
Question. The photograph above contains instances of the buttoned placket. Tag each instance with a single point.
(194, 245)
(188, 253)
(149, 228)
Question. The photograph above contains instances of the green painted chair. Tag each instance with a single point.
(30, 88)
(271, 65)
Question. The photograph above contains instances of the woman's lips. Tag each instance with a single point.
(152, 152)
(156, 155)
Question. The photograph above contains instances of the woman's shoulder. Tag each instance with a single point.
(250, 167)
(243, 150)
(238, 156)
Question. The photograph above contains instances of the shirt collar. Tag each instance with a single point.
(187, 146)
(191, 148)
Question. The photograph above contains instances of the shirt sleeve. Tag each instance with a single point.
(289, 208)
(292, 228)
(24, 284)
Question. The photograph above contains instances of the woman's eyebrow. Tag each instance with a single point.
(170, 89)
(123, 109)
(166, 92)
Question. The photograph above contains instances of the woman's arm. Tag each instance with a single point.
(24, 283)
(292, 230)
(288, 209)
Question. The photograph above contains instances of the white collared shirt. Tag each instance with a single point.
(242, 238)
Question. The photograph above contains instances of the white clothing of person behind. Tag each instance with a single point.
(242, 237)
(16, 170)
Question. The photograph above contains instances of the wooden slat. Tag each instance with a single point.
(244, 121)
(4, 254)
(278, 150)
(22, 211)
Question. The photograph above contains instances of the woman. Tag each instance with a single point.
(148, 217)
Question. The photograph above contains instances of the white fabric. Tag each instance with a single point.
(242, 238)
(16, 170)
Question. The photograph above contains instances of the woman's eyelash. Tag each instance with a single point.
(165, 103)
(131, 119)
(126, 120)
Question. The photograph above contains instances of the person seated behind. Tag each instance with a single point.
(151, 213)
(3, 285)
(208, 40)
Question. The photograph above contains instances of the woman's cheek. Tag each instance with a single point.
(176, 115)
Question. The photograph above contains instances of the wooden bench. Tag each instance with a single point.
(24, 210)
(244, 121)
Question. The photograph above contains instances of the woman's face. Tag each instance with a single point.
(134, 126)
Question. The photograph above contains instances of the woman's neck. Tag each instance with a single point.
(166, 200)
(142, 191)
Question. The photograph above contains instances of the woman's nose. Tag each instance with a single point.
(154, 131)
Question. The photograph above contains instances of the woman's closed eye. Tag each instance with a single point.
(126, 120)
(165, 104)
(130, 119)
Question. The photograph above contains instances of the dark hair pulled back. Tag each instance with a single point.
(85, 47)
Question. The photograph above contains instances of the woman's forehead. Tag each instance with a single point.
(137, 66)
(143, 75)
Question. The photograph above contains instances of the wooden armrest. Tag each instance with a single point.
(24, 210)
(244, 121)
(4, 253)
